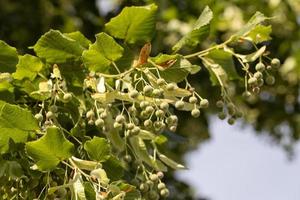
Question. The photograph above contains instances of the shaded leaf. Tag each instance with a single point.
(224, 59)
(134, 24)
(50, 149)
(15, 123)
(179, 70)
(8, 58)
(98, 149)
(113, 168)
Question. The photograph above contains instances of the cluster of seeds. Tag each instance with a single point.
(228, 109)
(261, 76)
(153, 187)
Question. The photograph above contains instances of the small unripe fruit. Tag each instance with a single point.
(258, 75)
(222, 115)
(67, 97)
(256, 90)
(130, 126)
(239, 114)
(153, 177)
(164, 106)
(160, 175)
(160, 82)
(153, 195)
(173, 128)
(270, 80)
(252, 81)
(103, 115)
(195, 112)
(90, 114)
(132, 110)
(230, 106)
(148, 123)
(133, 94)
(156, 92)
(144, 104)
(161, 186)
(147, 89)
(150, 183)
(269, 67)
(204, 103)
(164, 192)
(220, 104)
(136, 130)
(144, 187)
(275, 62)
(149, 109)
(99, 122)
(120, 119)
(260, 67)
(193, 100)
(174, 119)
(127, 158)
(49, 115)
(117, 125)
(39, 117)
(260, 82)
(179, 104)
(231, 121)
(53, 108)
(246, 94)
(159, 113)
(171, 86)
(91, 122)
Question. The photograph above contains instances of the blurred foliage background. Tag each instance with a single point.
(275, 112)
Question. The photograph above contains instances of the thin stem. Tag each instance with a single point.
(222, 45)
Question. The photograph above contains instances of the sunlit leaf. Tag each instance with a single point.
(50, 149)
(98, 149)
(102, 53)
(55, 47)
(134, 24)
(28, 67)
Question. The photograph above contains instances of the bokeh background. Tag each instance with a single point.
(254, 159)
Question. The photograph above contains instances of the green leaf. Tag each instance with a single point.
(80, 38)
(8, 58)
(218, 75)
(253, 56)
(259, 34)
(10, 169)
(98, 149)
(140, 150)
(28, 67)
(179, 70)
(50, 149)
(89, 191)
(113, 168)
(199, 32)
(57, 48)
(255, 20)
(171, 163)
(224, 59)
(15, 123)
(102, 53)
(134, 24)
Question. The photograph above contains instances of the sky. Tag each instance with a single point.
(238, 165)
